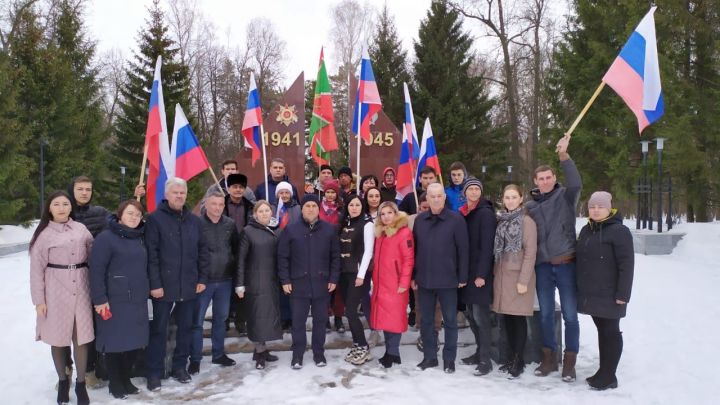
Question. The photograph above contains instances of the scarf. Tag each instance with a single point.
(330, 208)
(508, 236)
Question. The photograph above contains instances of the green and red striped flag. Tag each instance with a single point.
(322, 138)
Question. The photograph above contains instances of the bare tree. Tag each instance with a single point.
(111, 76)
(523, 34)
(349, 32)
(267, 56)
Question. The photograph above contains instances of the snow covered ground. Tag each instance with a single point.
(671, 353)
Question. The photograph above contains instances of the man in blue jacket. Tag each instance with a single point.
(277, 174)
(454, 189)
(553, 209)
(441, 267)
(309, 270)
(178, 262)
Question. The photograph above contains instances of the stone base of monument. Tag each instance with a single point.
(653, 243)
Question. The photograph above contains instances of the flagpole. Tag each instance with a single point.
(585, 110)
(414, 183)
(216, 179)
(359, 140)
(265, 166)
(142, 167)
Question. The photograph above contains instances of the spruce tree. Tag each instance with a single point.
(15, 165)
(454, 99)
(390, 66)
(129, 129)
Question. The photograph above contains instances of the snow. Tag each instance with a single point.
(671, 351)
(11, 234)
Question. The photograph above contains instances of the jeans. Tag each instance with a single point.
(549, 276)
(300, 308)
(157, 346)
(479, 318)
(219, 293)
(448, 306)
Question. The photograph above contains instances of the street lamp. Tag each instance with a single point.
(484, 170)
(646, 190)
(509, 173)
(122, 183)
(43, 143)
(660, 145)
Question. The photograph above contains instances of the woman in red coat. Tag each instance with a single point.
(393, 265)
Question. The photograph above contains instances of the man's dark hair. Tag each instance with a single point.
(230, 162)
(543, 168)
(428, 170)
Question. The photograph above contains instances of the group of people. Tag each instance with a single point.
(340, 249)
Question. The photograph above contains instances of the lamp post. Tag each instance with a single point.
(509, 173)
(660, 145)
(484, 170)
(645, 189)
(122, 183)
(43, 143)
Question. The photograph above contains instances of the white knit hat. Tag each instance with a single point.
(283, 185)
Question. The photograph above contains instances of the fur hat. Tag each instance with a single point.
(237, 178)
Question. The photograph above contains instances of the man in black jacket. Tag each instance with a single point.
(553, 210)
(178, 262)
(277, 174)
(309, 270)
(441, 267)
(94, 217)
(222, 241)
(428, 176)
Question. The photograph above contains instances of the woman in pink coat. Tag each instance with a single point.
(60, 290)
(392, 270)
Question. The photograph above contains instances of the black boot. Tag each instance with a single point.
(114, 370)
(260, 359)
(81, 393)
(127, 362)
(517, 366)
(386, 361)
(470, 360)
(63, 393)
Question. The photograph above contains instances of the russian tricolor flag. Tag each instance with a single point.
(635, 73)
(190, 159)
(252, 121)
(367, 99)
(409, 151)
(161, 162)
(428, 152)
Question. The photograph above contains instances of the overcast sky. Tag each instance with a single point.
(304, 25)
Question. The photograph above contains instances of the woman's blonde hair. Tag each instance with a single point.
(260, 203)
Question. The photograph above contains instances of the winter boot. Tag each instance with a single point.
(568, 371)
(517, 366)
(81, 393)
(114, 370)
(470, 360)
(260, 359)
(194, 367)
(483, 367)
(548, 363)
(339, 326)
(63, 392)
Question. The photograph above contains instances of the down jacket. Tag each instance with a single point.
(393, 265)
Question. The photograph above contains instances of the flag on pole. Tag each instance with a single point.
(161, 162)
(635, 73)
(252, 121)
(322, 137)
(428, 152)
(413, 144)
(367, 99)
(190, 159)
(404, 185)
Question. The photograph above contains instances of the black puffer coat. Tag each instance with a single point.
(257, 272)
(222, 240)
(481, 224)
(118, 276)
(605, 264)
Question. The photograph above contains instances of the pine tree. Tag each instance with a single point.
(15, 166)
(57, 97)
(129, 129)
(455, 100)
(390, 67)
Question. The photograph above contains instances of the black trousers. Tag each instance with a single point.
(119, 368)
(479, 318)
(516, 332)
(300, 308)
(353, 297)
(610, 345)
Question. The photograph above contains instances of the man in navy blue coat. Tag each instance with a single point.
(441, 267)
(309, 269)
(178, 261)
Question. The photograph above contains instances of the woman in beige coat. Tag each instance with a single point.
(60, 290)
(514, 285)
